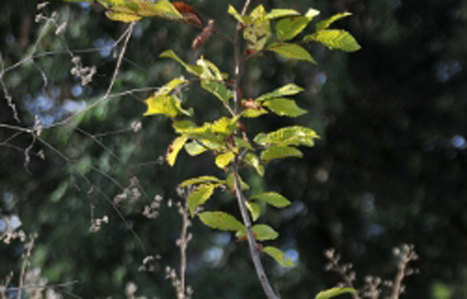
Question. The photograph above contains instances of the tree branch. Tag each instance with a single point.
(268, 290)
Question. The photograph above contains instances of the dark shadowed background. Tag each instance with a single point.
(390, 167)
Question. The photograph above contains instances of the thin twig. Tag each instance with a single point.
(268, 290)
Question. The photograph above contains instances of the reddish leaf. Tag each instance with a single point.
(189, 14)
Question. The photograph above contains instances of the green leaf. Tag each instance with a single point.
(218, 89)
(335, 40)
(286, 90)
(284, 107)
(279, 152)
(254, 161)
(168, 105)
(254, 208)
(280, 13)
(278, 255)
(272, 198)
(194, 148)
(209, 70)
(253, 113)
(294, 135)
(199, 196)
(202, 180)
(241, 143)
(331, 293)
(225, 125)
(326, 23)
(175, 148)
(221, 221)
(193, 69)
(231, 183)
(257, 34)
(223, 160)
(173, 84)
(289, 28)
(312, 13)
(262, 232)
(233, 12)
(122, 16)
(291, 51)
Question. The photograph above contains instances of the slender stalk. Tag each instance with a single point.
(268, 290)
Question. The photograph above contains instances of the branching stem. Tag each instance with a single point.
(268, 290)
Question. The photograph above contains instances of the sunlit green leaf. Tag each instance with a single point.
(175, 148)
(221, 221)
(223, 160)
(209, 70)
(286, 90)
(288, 28)
(291, 51)
(194, 148)
(218, 89)
(326, 23)
(193, 69)
(233, 12)
(331, 293)
(199, 196)
(294, 135)
(224, 125)
(254, 161)
(278, 255)
(280, 152)
(311, 13)
(202, 180)
(122, 16)
(262, 232)
(242, 143)
(254, 208)
(253, 113)
(272, 198)
(335, 40)
(281, 13)
(284, 107)
(168, 105)
(167, 88)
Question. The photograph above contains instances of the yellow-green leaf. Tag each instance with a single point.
(262, 232)
(278, 255)
(294, 135)
(173, 84)
(223, 160)
(326, 23)
(218, 89)
(331, 293)
(335, 39)
(202, 180)
(272, 198)
(284, 107)
(168, 105)
(193, 69)
(286, 90)
(233, 12)
(194, 148)
(289, 28)
(199, 196)
(254, 208)
(280, 152)
(122, 16)
(224, 125)
(291, 51)
(253, 113)
(281, 13)
(254, 161)
(221, 221)
(175, 148)
(311, 13)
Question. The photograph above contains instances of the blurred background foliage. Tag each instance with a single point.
(390, 167)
